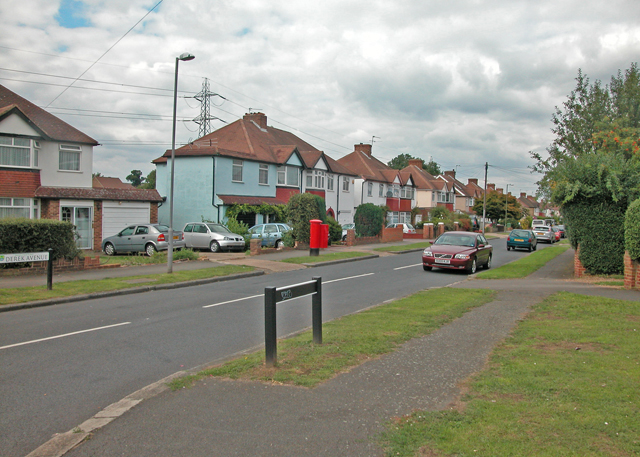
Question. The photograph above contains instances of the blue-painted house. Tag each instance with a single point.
(248, 162)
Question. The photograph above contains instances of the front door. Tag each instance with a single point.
(80, 217)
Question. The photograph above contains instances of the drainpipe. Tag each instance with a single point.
(213, 189)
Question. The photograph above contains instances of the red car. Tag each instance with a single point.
(458, 251)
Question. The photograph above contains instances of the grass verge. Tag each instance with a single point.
(143, 259)
(70, 288)
(525, 266)
(420, 245)
(325, 257)
(350, 340)
(564, 383)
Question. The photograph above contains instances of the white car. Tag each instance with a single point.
(406, 228)
(214, 237)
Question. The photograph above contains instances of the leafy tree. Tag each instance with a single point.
(432, 168)
(496, 206)
(135, 178)
(97, 175)
(400, 161)
(149, 181)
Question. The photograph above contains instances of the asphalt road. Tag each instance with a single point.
(62, 364)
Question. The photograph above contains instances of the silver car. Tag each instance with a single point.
(147, 238)
(214, 237)
(545, 233)
(270, 234)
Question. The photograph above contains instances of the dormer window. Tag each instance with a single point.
(69, 157)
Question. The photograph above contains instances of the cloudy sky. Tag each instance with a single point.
(461, 81)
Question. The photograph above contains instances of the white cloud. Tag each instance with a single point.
(464, 82)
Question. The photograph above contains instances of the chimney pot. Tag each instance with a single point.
(258, 118)
(364, 148)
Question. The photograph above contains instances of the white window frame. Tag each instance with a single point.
(381, 190)
(369, 189)
(237, 169)
(330, 179)
(318, 180)
(18, 207)
(65, 154)
(263, 174)
(31, 150)
(345, 184)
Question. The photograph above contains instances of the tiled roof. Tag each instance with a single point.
(90, 193)
(422, 179)
(49, 126)
(111, 183)
(245, 139)
(368, 167)
(243, 200)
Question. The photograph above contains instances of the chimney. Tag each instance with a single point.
(500, 190)
(523, 195)
(451, 174)
(259, 118)
(473, 181)
(364, 148)
(491, 186)
(416, 163)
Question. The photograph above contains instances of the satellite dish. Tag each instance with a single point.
(389, 194)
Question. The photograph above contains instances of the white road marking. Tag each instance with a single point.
(408, 266)
(262, 295)
(62, 336)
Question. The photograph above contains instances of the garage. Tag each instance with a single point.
(116, 215)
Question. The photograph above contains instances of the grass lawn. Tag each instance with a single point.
(70, 288)
(564, 384)
(351, 340)
(143, 259)
(405, 247)
(325, 257)
(524, 266)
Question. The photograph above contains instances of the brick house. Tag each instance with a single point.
(46, 172)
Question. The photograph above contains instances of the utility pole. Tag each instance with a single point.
(506, 206)
(484, 205)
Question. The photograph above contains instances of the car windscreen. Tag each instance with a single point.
(455, 240)
(162, 228)
(218, 228)
(521, 233)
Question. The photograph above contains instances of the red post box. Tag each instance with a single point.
(324, 235)
(314, 237)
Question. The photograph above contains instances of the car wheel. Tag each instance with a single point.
(426, 268)
(279, 244)
(150, 249)
(535, 246)
(214, 246)
(109, 249)
(473, 267)
(488, 264)
(530, 249)
(508, 248)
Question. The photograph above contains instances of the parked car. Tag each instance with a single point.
(406, 228)
(270, 234)
(458, 251)
(147, 238)
(560, 228)
(524, 239)
(556, 230)
(346, 227)
(545, 233)
(214, 237)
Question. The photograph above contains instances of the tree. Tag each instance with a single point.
(432, 168)
(593, 168)
(496, 206)
(135, 178)
(301, 209)
(149, 181)
(400, 161)
(368, 219)
(97, 175)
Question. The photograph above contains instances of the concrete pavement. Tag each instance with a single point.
(340, 417)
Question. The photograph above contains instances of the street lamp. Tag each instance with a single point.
(184, 57)
(506, 206)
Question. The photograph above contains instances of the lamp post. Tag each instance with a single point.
(184, 57)
(506, 206)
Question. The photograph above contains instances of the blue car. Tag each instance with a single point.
(523, 239)
(270, 234)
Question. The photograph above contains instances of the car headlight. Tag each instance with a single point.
(462, 256)
(427, 253)
(226, 238)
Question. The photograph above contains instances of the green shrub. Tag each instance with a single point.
(632, 230)
(322, 208)
(335, 229)
(301, 209)
(239, 228)
(287, 239)
(597, 226)
(185, 254)
(38, 235)
(369, 219)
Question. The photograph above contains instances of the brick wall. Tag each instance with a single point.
(50, 209)
(19, 183)
(578, 269)
(389, 235)
(86, 263)
(97, 225)
(153, 215)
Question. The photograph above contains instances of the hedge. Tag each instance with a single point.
(369, 219)
(598, 228)
(302, 208)
(632, 230)
(38, 235)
